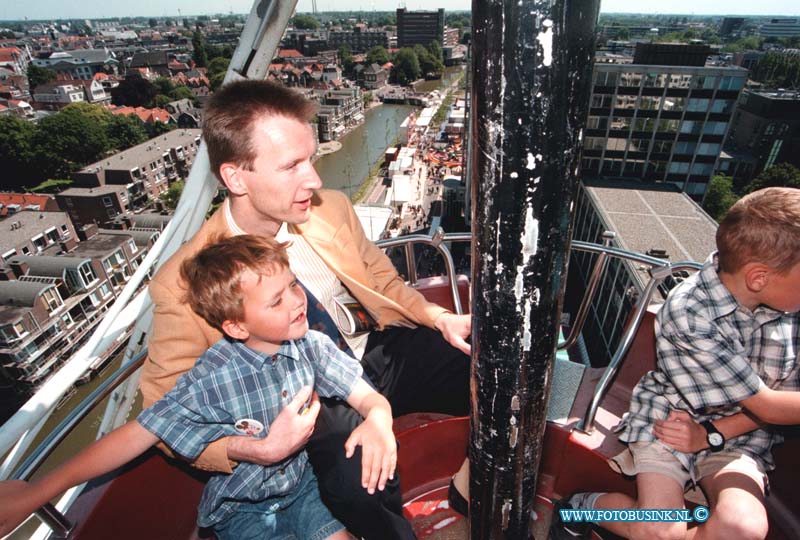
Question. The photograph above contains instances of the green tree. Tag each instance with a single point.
(158, 128)
(134, 92)
(719, 196)
(435, 49)
(171, 197)
(218, 65)
(199, 54)
(782, 174)
(152, 22)
(39, 75)
(16, 152)
(125, 131)
(217, 68)
(161, 100)
(406, 66)
(346, 58)
(778, 69)
(182, 92)
(429, 66)
(305, 22)
(377, 55)
(69, 140)
(164, 85)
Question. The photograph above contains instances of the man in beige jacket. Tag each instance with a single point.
(260, 147)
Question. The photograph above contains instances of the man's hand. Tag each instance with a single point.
(681, 432)
(455, 329)
(378, 449)
(17, 502)
(288, 434)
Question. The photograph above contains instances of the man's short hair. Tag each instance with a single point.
(232, 111)
(764, 227)
(213, 276)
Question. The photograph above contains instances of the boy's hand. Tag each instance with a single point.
(288, 434)
(681, 432)
(378, 449)
(15, 505)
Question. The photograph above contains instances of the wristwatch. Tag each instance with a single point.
(716, 440)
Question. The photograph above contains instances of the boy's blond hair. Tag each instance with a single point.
(764, 227)
(213, 276)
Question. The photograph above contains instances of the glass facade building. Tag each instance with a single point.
(659, 123)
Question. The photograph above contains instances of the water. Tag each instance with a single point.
(362, 148)
(449, 75)
(83, 433)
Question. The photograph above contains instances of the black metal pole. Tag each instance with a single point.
(532, 65)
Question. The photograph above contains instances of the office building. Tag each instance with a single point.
(778, 28)
(419, 27)
(657, 122)
(359, 39)
(765, 130)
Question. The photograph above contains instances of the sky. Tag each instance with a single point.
(95, 9)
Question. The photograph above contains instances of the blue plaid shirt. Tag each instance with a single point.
(231, 382)
(712, 354)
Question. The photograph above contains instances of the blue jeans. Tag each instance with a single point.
(299, 515)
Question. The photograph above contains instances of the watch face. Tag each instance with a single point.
(715, 439)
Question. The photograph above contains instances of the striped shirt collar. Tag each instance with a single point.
(721, 301)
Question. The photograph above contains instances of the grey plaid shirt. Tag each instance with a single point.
(232, 382)
(712, 354)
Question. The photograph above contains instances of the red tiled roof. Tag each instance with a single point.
(289, 53)
(25, 199)
(146, 115)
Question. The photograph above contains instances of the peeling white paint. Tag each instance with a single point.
(526, 327)
(512, 435)
(530, 236)
(514, 175)
(531, 162)
(545, 39)
(506, 513)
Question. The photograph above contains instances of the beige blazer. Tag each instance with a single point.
(333, 231)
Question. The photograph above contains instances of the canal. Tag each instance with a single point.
(362, 148)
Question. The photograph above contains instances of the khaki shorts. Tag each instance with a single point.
(654, 457)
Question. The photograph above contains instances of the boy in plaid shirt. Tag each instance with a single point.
(727, 341)
(261, 374)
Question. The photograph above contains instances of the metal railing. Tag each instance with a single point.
(437, 240)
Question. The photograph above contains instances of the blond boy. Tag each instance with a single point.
(727, 341)
(261, 374)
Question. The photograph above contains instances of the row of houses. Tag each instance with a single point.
(55, 284)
